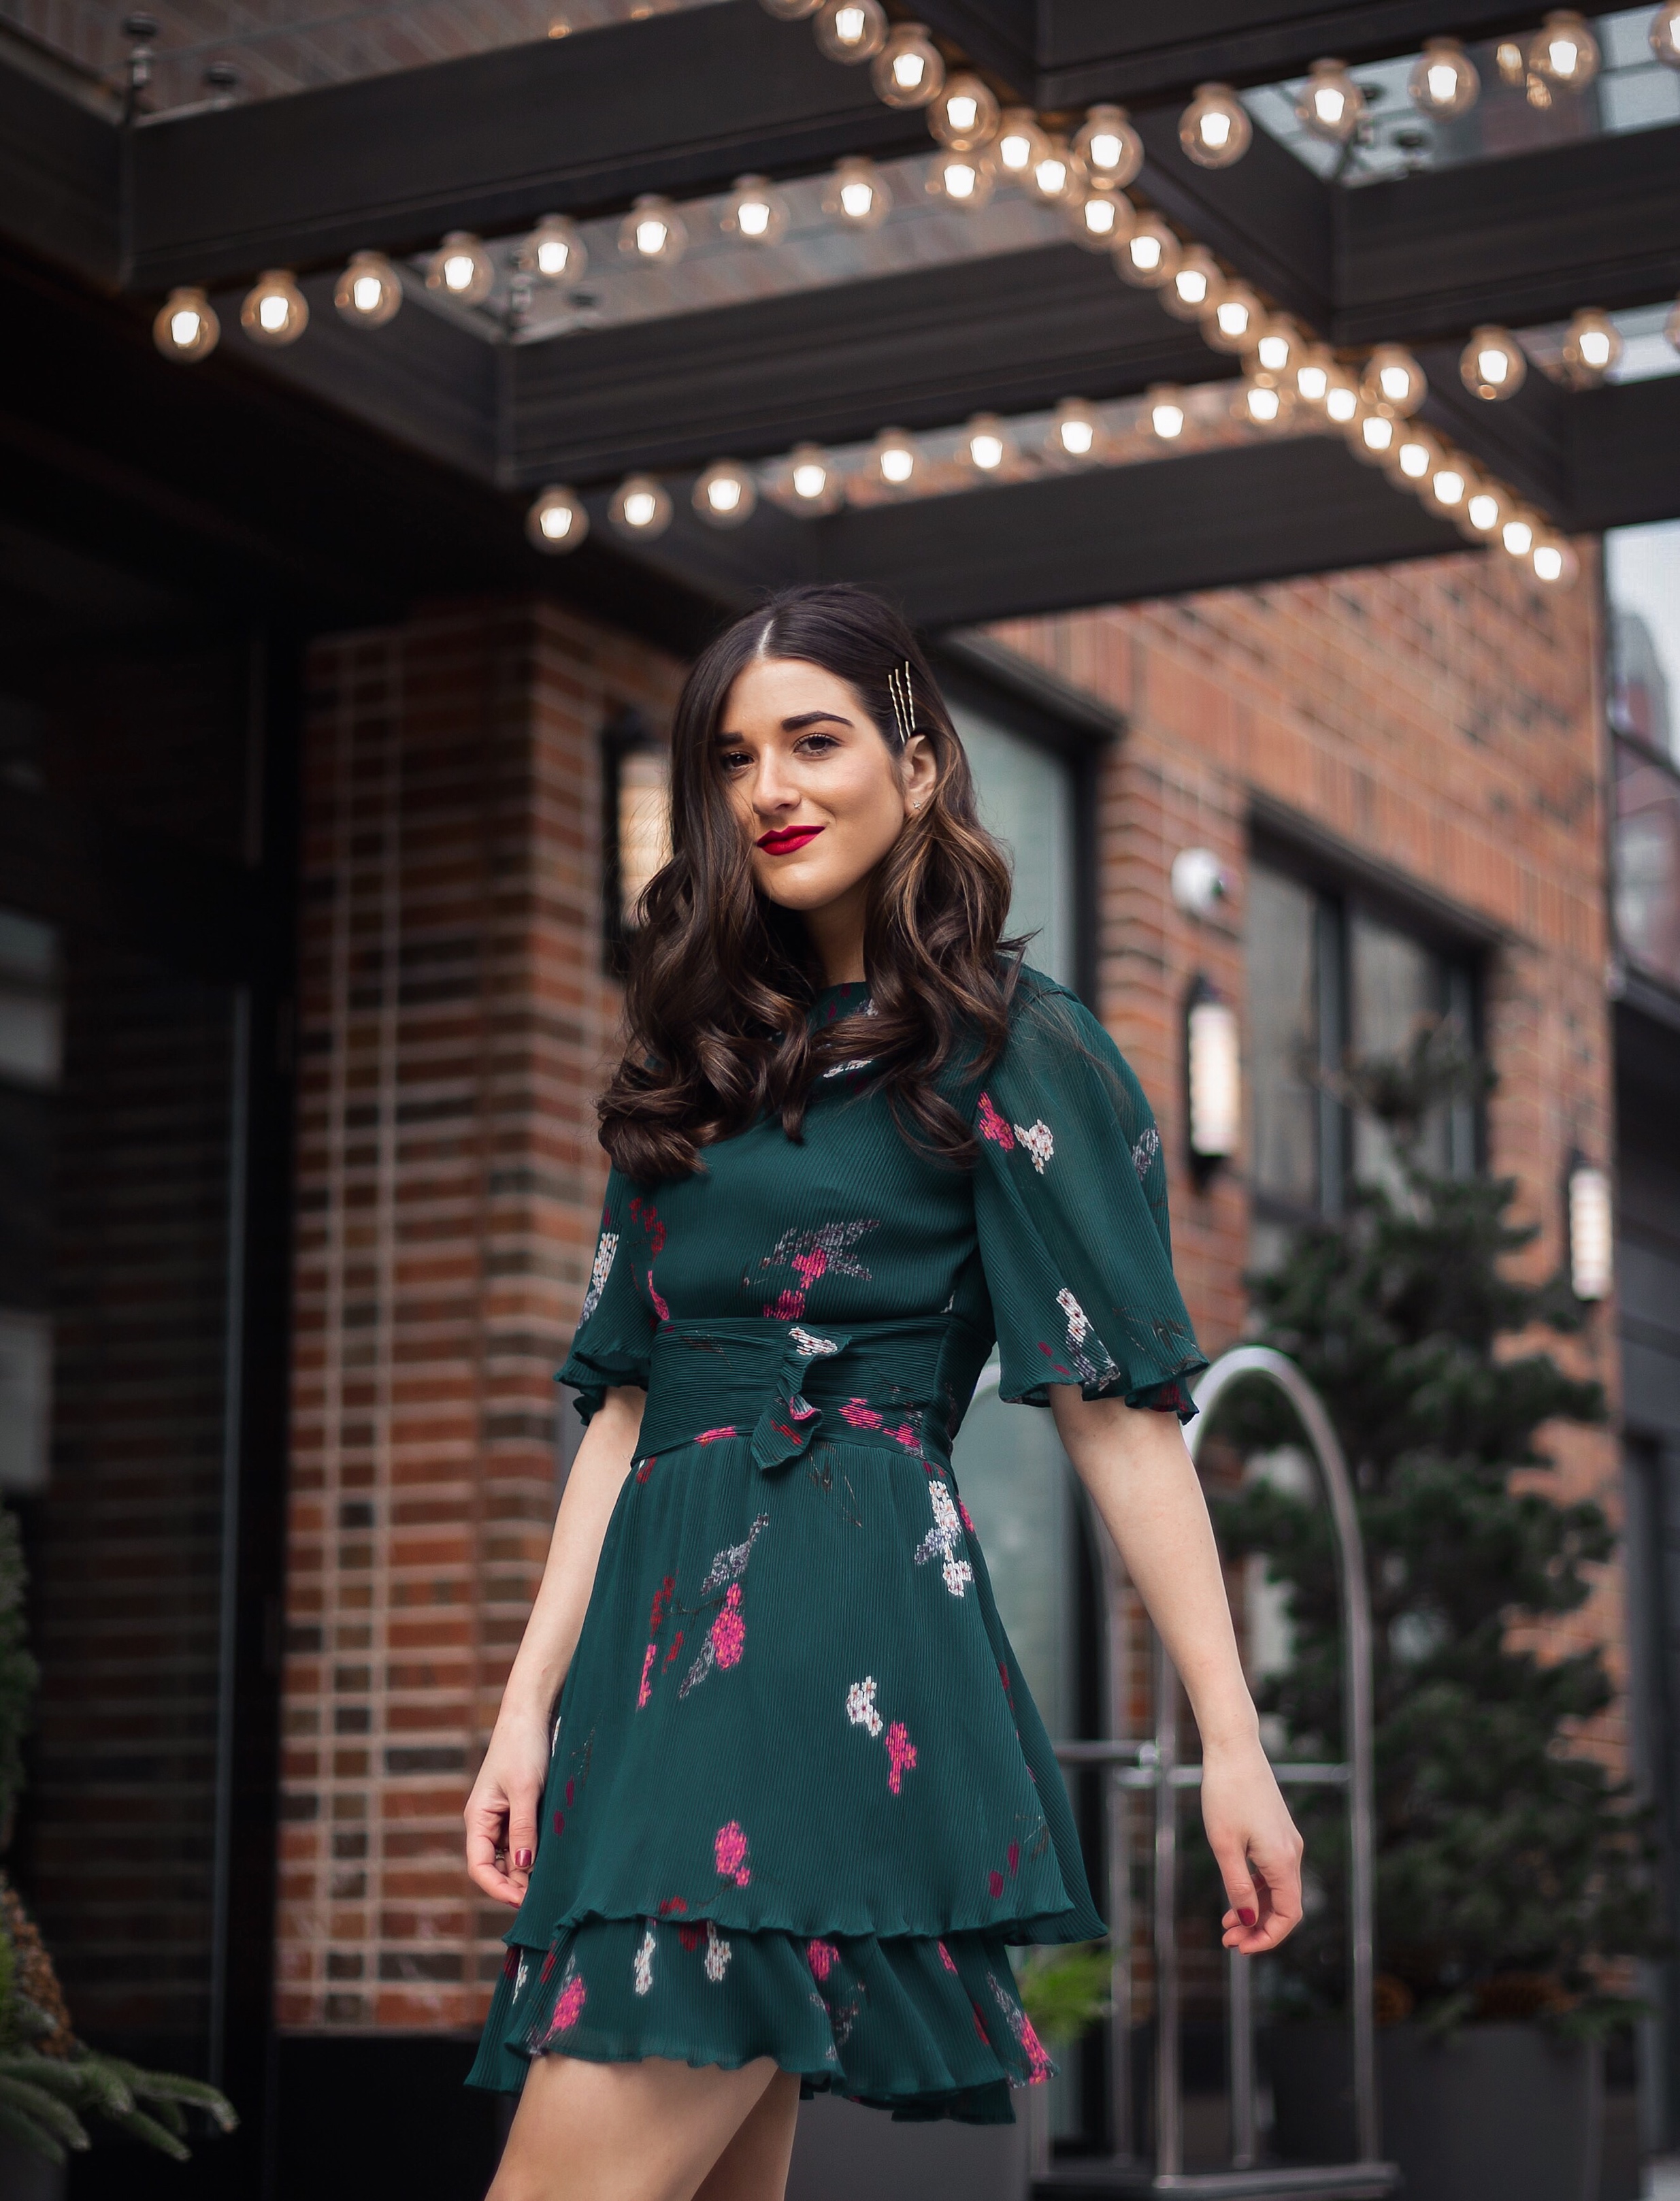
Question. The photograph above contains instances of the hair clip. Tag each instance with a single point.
(900, 689)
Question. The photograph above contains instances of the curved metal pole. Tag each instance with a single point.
(1242, 1363)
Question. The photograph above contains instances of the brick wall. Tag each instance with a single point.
(453, 1025)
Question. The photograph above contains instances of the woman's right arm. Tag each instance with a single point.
(502, 1811)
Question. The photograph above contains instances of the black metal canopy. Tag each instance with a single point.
(682, 103)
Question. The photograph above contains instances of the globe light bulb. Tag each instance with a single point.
(1484, 510)
(187, 327)
(369, 292)
(1215, 130)
(1055, 176)
(461, 269)
(1020, 143)
(1330, 105)
(965, 179)
(1150, 255)
(1163, 406)
(1103, 218)
(1077, 431)
(1517, 533)
(909, 71)
(1664, 35)
(1196, 283)
(964, 116)
(1341, 395)
(895, 458)
(851, 30)
(756, 211)
(1261, 402)
(1231, 318)
(812, 479)
(1564, 54)
(1110, 149)
(1373, 434)
(653, 232)
(641, 507)
(557, 520)
(1443, 83)
(1592, 345)
(1415, 456)
(1312, 374)
(554, 251)
(1448, 486)
(1554, 561)
(1393, 378)
(1276, 345)
(1492, 365)
(857, 193)
(275, 311)
(725, 494)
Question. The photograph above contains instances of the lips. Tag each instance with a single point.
(786, 840)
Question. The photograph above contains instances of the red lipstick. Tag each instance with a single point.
(785, 840)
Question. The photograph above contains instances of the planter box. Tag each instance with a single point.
(1493, 2110)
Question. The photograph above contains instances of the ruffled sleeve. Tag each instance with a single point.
(1070, 1197)
(615, 1330)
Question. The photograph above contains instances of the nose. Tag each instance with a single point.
(773, 787)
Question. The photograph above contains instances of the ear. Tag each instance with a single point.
(918, 771)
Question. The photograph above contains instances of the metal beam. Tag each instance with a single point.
(60, 168)
(1625, 455)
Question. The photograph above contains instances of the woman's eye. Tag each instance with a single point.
(733, 759)
(818, 744)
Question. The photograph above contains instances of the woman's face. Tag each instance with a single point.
(818, 792)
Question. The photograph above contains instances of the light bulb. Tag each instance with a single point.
(1591, 347)
(1077, 431)
(857, 193)
(1164, 407)
(275, 311)
(557, 520)
(964, 116)
(1341, 395)
(461, 269)
(988, 443)
(1484, 510)
(187, 327)
(1393, 378)
(851, 30)
(909, 71)
(1276, 345)
(1492, 365)
(1448, 486)
(1102, 219)
(554, 251)
(1231, 318)
(1197, 282)
(1331, 106)
(1020, 143)
(1564, 53)
(641, 507)
(895, 458)
(1443, 82)
(1517, 534)
(1665, 34)
(653, 231)
(1312, 373)
(1149, 256)
(1053, 178)
(725, 494)
(1373, 434)
(1261, 402)
(964, 179)
(369, 291)
(1110, 147)
(1415, 456)
(1554, 561)
(1215, 129)
(756, 211)
(813, 479)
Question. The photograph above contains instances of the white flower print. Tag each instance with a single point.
(811, 1346)
(717, 1954)
(524, 1973)
(1079, 1323)
(1100, 1370)
(1148, 1147)
(1038, 1142)
(604, 1250)
(644, 1964)
(944, 1541)
(860, 1707)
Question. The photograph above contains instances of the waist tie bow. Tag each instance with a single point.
(790, 1421)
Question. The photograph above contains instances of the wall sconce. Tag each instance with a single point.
(1201, 883)
(636, 790)
(1213, 1079)
(1589, 1217)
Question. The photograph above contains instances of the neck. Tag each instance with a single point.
(836, 933)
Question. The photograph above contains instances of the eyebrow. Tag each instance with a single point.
(796, 725)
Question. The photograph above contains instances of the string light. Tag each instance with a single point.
(1665, 34)
(554, 251)
(1450, 484)
(895, 458)
(812, 479)
(1196, 283)
(1443, 82)
(857, 192)
(1103, 218)
(1231, 317)
(1262, 402)
(1517, 533)
(1331, 106)
(725, 494)
(755, 211)
(1276, 345)
(1554, 561)
(1052, 178)
(641, 507)
(653, 231)
(1484, 510)
(1215, 129)
(988, 442)
(1565, 54)
(1165, 407)
(557, 520)
(1415, 456)
(1110, 148)
(1492, 365)
(1393, 378)
(964, 116)
(1312, 374)
(851, 30)
(909, 71)
(1077, 431)
(187, 327)
(461, 268)
(369, 292)
(275, 311)
(1341, 395)
(965, 179)
(1020, 143)
(1149, 256)
(1591, 346)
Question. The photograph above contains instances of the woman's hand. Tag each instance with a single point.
(1255, 1842)
(502, 1811)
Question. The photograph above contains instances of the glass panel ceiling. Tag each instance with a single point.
(1633, 90)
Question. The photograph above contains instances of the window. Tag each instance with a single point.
(1027, 799)
(1333, 978)
(1641, 572)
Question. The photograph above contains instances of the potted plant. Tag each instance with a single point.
(55, 2093)
(1513, 1867)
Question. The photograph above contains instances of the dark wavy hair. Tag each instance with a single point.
(722, 981)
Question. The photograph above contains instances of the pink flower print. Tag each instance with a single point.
(646, 1469)
(646, 1689)
(548, 1962)
(1026, 2038)
(946, 1958)
(860, 1414)
(660, 1306)
(993, 1126)
(822, 1957)
(676, 1646)
(1013, 1859)
(980, 2027)
(901, 1755)
(968, 1519)
(510, 1964)
(691, 1936)
(715, 1436)
(671, 1904)
(994, 1881)
(560, 1822)
(906, 1434)
(811, 1255)
(787, 1306)
(657, 1610)
(729, 1630)
(729, 1849)
(571, 1792)
(648, 1216)
(569, 2004)
(1037, 1141)
(808, 1266)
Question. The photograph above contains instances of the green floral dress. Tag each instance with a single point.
(800, 1799)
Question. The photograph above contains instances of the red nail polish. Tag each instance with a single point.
(522, 1859)
(1248, 1917)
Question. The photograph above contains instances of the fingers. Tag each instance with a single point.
(522, 1836)
(1264, 1892)
(486, 1847)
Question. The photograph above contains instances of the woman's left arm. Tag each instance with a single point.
(1136, 1465)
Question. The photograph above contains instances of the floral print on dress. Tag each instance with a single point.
(863, 1711)
(993, 1127)
(1038, 1142)
(1145, 1152)
(643, 1976)
(717, 1955)
(726, 1638)
(944, 1541)
(860, 1706)
(811, 1255)
(729, 1852)
(1039, 2067)
(1091, 1369)
(570, 2001)
(605, 1246)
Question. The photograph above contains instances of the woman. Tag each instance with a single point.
(796, 1801)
